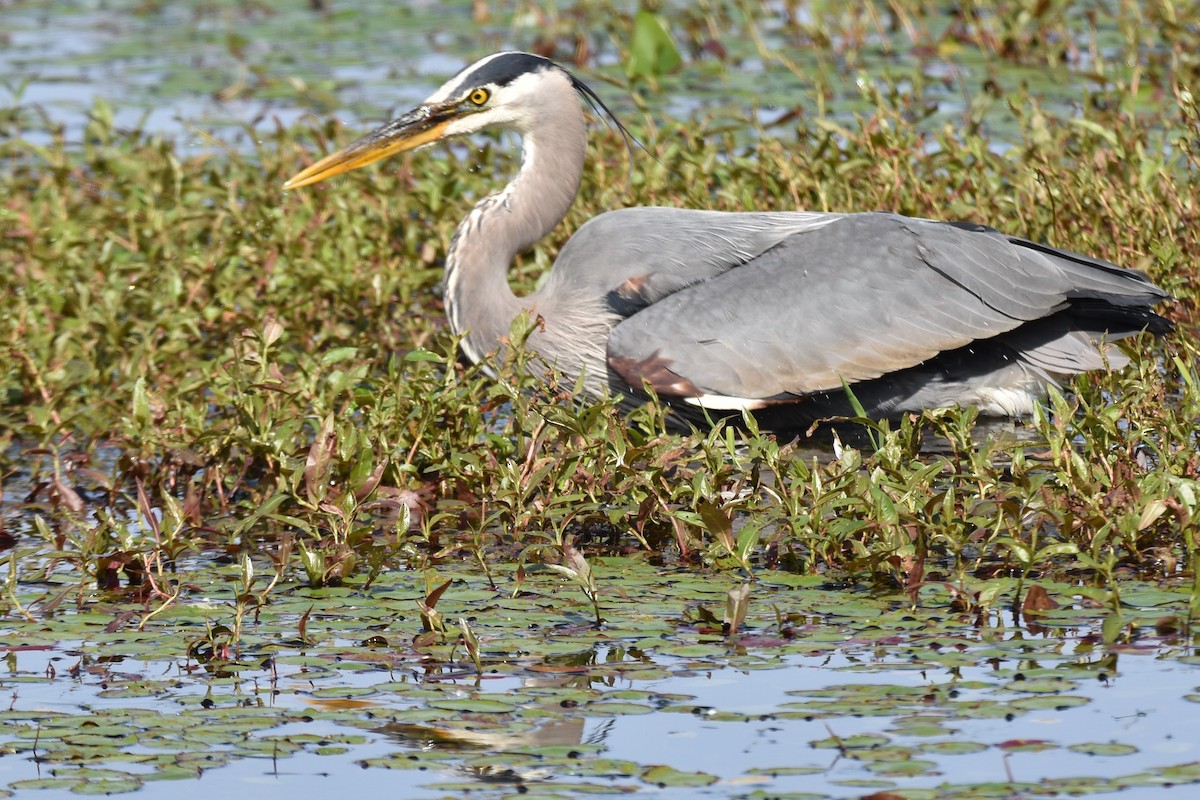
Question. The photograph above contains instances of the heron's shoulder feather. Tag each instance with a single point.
(637, 256)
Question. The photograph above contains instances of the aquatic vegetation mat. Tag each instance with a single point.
(820, 692)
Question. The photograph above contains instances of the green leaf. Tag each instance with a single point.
(652, 51)
(1094, 127)
(1113, 625)
(421, 354)
(141, 402)
(336, 354)
(669, 776)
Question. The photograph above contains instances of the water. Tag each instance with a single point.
(833, 710)
(191, 69)
(180, 69)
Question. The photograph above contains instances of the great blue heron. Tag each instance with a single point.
(770, 312)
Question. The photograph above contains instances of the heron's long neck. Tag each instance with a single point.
(479, 301)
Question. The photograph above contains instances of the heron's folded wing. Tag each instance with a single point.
(864, 296)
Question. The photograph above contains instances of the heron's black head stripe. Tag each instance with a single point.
(503, 69)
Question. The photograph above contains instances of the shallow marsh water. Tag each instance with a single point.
(202, 69)
(825, 691)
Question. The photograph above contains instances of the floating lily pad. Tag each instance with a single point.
(341, 692)
(854, 742)
(481, 705)
(1103, 749)
(903, 768)
(1040, 685)
(956, 747)
(669, 777)
(1027, 745)
(108, 786)
(615, 709)
(171, 772)
(1059, 702)
(89, 739)
(786, 771)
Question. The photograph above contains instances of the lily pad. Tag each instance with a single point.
(668, 777)
(854, 742)
(480, 705)
(1103, 749)
(108, 786)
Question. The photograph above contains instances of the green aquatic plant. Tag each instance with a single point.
(250, 373)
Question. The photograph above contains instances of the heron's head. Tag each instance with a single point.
(504, 90)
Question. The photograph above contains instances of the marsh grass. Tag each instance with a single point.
(205, 369)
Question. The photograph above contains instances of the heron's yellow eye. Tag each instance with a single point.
(479, 96)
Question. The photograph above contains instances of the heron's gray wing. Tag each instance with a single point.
(634, 257)
(1090, 277)
(853, 300)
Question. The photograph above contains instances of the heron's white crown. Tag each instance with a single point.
(515, 105)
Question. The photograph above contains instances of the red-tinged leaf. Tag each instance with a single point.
(1037, 600)
(272, 330)
(1013, 744)
(63, 495)
(914, 577)
(427, 638)
(339, 704)
(119, 621)
(334, 509)
(145, 509)
(97, 477)
(320, 455)
(737, 602)
(762, 641)
(367, 486)
(719, 524)
(192, 503)
(303, 624)
(108, 574)
(418, 502)
(21, 648)
(432, 598)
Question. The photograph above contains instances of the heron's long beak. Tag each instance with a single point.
(420, 126)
